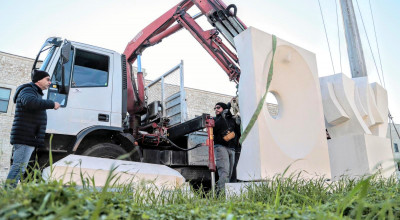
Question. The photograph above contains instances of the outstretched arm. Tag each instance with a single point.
(31, 101)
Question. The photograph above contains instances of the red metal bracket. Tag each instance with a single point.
(210, 123)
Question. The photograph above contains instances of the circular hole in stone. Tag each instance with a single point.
(272, 105)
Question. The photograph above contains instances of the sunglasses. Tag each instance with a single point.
(217, 107)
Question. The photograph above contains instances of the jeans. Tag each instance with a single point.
(225, 159)
(21, 155)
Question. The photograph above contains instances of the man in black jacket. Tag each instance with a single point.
(30, 120)
(226, 139)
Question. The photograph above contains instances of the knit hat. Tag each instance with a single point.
(223, 105)
(37, 75)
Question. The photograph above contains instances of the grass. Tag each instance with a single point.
(372, 197)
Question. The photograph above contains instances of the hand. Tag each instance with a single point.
(56, 105)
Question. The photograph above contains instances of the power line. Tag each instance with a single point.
(377, 45)
(369, 44)
(383, 75)
(376, 67)
(326, 35)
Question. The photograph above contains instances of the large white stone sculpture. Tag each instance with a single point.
(356, 118)
(296, 136)
(73, 167)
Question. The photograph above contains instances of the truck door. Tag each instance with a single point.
(88, 102)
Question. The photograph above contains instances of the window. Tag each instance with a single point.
(90, 70)
(396, 148)
(56, 80)
(48, 58)
(4, 99)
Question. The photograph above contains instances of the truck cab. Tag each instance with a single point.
(90, 83)
(94, 89)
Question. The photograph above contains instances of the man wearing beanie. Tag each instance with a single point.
(29, 126)
(226, 139)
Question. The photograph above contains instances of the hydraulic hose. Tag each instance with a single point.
(176, 146)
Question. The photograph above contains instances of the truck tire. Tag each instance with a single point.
(105, 150)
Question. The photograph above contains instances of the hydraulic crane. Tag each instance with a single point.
(218, 14)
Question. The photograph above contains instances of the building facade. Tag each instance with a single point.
(14, 70)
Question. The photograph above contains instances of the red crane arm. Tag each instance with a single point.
(218, 14)
(141, 41)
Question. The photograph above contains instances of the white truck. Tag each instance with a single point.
(104, 112)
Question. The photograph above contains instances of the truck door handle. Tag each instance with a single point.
(104, 117)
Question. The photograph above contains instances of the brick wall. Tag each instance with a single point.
(14, 71)
(200, 101)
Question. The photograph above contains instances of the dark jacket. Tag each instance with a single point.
(221, 126)
(30, 118)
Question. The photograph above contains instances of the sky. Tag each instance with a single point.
(25, 24)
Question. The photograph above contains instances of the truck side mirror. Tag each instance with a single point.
(65, 53)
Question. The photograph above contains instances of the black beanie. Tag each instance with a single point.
(38, 75)
(223, 105)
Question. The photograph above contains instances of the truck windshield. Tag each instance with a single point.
(46, 53)
(48, 56)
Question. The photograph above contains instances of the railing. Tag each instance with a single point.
(169, 90)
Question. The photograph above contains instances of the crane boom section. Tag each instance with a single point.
(220, 17)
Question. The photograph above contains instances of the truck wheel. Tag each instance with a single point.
(105, 150)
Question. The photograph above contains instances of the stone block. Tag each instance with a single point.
(296, 136)
(70, 168)
(345, 97)
(360, 155)
(358, 145)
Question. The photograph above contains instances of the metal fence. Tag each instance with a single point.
(169, 89)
